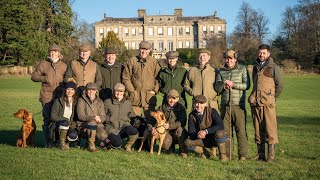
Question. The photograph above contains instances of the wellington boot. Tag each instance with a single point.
(222, 152)
(130, 141)
(213, 152)
(91, 140)
(62, 138)
(261, 156)
(271, 153)
(46, 136)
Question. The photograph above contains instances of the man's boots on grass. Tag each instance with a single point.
(222, 152)
(91, 140)
(62, 137)
(271, 152)
(261, 156)
(130, 141)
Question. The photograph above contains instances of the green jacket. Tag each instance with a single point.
(111, 75)
(118, 114)
(173, 79)
(57, 110)
(176, 116)
(239, 76)
(267, 83)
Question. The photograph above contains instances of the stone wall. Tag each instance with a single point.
(16, 70)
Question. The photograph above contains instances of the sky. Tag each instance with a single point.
(93, 10)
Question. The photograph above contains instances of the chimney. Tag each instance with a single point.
(141, 13)
(215, 14)
(104, 15)
(178, 12)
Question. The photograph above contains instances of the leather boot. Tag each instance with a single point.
(62, 139)
(271, 152)
(91, 140)
(199, 150)
(222, 152)
(182, 148)
(213, 152)
(130, 141)
(261, 156)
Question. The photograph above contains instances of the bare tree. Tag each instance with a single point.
(259, 25)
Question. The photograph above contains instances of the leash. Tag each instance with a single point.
(230, 127)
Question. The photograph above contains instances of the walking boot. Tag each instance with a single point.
(182, 148)
(222, 152)
(200, 152)
(271, 153)
(261, 156)
(91, 140)
(130, 141)
(62, 139)
(213, 152)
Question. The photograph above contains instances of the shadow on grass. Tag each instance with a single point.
(283, 120)
(9, 137)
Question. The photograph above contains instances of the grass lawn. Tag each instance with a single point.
(297, 155)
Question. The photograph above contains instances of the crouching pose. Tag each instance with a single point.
(118, 113)
(91, 114)
(205, 129)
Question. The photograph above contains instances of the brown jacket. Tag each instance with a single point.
(201, 82)
(139, 78)
(51, 75)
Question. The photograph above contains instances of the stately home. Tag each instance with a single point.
(164, 32)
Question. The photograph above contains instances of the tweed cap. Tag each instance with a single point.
(172, 54)
(173, 93)
(110, 50)
(144, 45)
(54, 47)
(85, 47)
(231, 54)
(205, 51)
(200, 99)
(119, 87)
(91, 86)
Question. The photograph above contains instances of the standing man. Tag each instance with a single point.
(205, 129)
(111, 71)
(50, 73)
(267, 86)
(139, 77)
(232, 82)
(84, 70)
(172, 77)
(200, 80)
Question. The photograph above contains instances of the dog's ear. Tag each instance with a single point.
(25, 114)
(162, 116)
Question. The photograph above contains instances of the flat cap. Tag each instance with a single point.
(200, 99)
(54, 47)
(144, 45)
(172, 54)
(85, 47)
(110, 50)
(91, 86)
(119, 87)
(230, 53)
(173, 93)
(205, 51)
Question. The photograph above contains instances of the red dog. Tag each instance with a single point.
(28, 129)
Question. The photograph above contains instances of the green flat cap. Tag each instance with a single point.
(205, 51)
(144, 45)
(85, 47)
(54, 47)
(172, 54)
(200, 99)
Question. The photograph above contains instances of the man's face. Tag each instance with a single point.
(91, 94)
(111, 58)
(172, 61)
(203, 59)
(144, 52)
(200, 107)
(54, 54)
(264, 54)
(118, 94)
(84, 55)
(230, 62)
(172, 101)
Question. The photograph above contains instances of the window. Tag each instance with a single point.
(152, 45)
(180, 44)
(150, 31)
(219, 29)
(187, 44)
(108, 29)
(126, 32)
(211, 29)
(204, 29)
(126, 44)
(116, 31)
(170, 31)
(170, 46)
(133, 31)
(187, 31)
(133, 45)
(180, 31)
(204, 43)
(101, 31)
(160, 46)
(160, 31)
(195, 44)
(140, 32)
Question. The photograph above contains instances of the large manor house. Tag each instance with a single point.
(164, 32)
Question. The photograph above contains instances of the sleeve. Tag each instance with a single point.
(217, 123)
(81, 111)
(218, 86)
(69, 73)
(243, 85)
(102, 112)
(39, 75)
(55, 111)
(186, 84)
(278, 80)
(192, 127)
(126, 76)
(156, 72)
(182, 117)
(161, 82)
(98, 79)
(107, 111)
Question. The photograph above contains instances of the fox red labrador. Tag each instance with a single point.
(28, 129)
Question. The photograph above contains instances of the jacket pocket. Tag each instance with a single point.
(134, 97)
(268, 98)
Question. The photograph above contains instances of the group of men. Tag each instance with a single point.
(210, 124)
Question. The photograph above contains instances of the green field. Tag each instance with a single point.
(297, 156)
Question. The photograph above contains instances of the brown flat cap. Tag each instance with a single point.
(230, 53)
(173, 93)
(119, 87)
(110, 50)
(85, 47)
(205, 51)
(172, 54)
(91, 86)
(144, 45)
(200, 99)
(54, 47)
